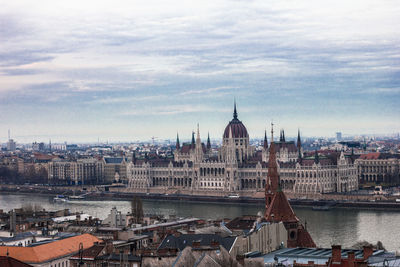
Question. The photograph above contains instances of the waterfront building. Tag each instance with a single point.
(79, 172)
(117, 219)
(238, 167)
(114, 166)
(379, 168)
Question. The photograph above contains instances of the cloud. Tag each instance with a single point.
(164, 58)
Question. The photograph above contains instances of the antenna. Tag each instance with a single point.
(9, 134)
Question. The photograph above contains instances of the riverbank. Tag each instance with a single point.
(91, 193)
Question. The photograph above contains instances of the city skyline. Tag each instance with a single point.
(73, 71)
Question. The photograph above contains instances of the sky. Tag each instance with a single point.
(82, 71)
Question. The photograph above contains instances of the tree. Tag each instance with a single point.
(137, 210)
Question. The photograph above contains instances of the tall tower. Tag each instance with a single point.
(272, 184)
(299, 145)
(199, 147)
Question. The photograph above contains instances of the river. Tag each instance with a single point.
(337, 226)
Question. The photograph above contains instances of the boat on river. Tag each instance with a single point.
(60, 199)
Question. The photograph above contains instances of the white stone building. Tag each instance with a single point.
(239, 167)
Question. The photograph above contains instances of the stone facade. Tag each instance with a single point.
(82, 171)
(378, 168)
(237, 166)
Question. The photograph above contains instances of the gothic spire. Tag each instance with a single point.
(283, 136)
(177, 142)
(298, 140)
(280, 136)
(235, 116)
(316, 157)
(208, 142)
(193, 141)
(265, 145)
(273, 175)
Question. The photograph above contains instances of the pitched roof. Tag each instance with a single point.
(11, 262)
(185, 240)
(280, 210)
(304, 238)
(46, 252)
(245, 222)
(90, 253)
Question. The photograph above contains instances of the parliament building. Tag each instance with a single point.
(237, 166)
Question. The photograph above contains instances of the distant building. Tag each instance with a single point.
(117, 219)
(113, 166)
(237, 166)
(338, 136)
(379, 168)
(82, 171)
(11, 145)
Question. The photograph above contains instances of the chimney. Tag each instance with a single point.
(367, 252)
(214, 243)
(351, 258)
(196, 244)
(336, 253)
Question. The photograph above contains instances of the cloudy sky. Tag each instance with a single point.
(126, 70)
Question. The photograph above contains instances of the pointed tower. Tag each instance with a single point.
(208, 142)
(178, 146)
(299, 150)
(235, 116)
(283, 136)
(316, 157)
(231, 153)
(298, 140)
(278, 208)
(193, 144)
(265, 144)
(272, 183)
(199, 146)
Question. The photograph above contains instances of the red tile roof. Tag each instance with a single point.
(46, 252)
(304, 238)
(280, 210)
(370, 156)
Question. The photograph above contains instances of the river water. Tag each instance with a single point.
(337, 226)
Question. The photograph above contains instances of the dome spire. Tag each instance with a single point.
(235, 116)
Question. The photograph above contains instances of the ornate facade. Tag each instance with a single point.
(238, 166)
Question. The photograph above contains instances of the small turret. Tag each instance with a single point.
(208, 142)
(316, 157)
(193, 141)
(178, 146)
(298, 140)
(265, 144)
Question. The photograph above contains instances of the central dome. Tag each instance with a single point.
(238, 129)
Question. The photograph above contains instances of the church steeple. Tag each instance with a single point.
(178, 146)
(273, 175)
